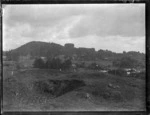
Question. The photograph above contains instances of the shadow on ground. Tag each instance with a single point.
(55, 88)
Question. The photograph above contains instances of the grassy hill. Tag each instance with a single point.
(37, 48)
(33, 90)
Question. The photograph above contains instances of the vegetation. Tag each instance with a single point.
(38, 49)
(31, 89)
(57, 87)
(54, 90)
(95, 66)
(125, 62)
(39, 63)
(54, 63)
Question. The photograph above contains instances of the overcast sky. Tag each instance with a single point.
(101, 26)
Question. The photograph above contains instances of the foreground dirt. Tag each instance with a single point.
(99, 91)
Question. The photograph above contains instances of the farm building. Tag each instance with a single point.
(25, 61)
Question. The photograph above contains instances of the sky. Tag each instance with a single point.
(115, 27)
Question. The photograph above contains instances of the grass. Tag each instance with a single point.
(86, 90)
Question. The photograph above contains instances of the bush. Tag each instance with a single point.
(54, 63)
(125, 62)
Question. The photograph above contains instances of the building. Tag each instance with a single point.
(22, 58)
(69, 45)
(26, 61)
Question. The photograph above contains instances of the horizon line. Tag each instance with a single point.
(76, 47)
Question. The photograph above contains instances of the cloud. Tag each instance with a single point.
(86, 25)
(39, 15)
(113, 43)
(123, 21)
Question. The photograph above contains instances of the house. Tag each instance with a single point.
(21, 58)
(26, 61)
(69, 45)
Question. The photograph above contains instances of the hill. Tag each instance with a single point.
(89, 86)
(45, 49)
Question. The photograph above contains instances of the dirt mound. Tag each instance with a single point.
(55, 88)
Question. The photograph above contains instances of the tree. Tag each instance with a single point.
(54, 63)
(8, 55)
(124, 52)
(67, 64)
(39, 63)
(48, 63)
(116, 63)
(126, 62)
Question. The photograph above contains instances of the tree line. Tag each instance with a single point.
(126, 62)
(54, 63)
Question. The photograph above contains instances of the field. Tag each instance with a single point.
(52, 90)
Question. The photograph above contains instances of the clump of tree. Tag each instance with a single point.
(54, 63)
(39, 63)
(66, 64)
(125, 62)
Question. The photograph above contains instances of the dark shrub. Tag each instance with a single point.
(39, 63)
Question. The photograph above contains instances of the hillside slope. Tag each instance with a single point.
(39, 49)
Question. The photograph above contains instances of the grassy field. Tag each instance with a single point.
(32, 90)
